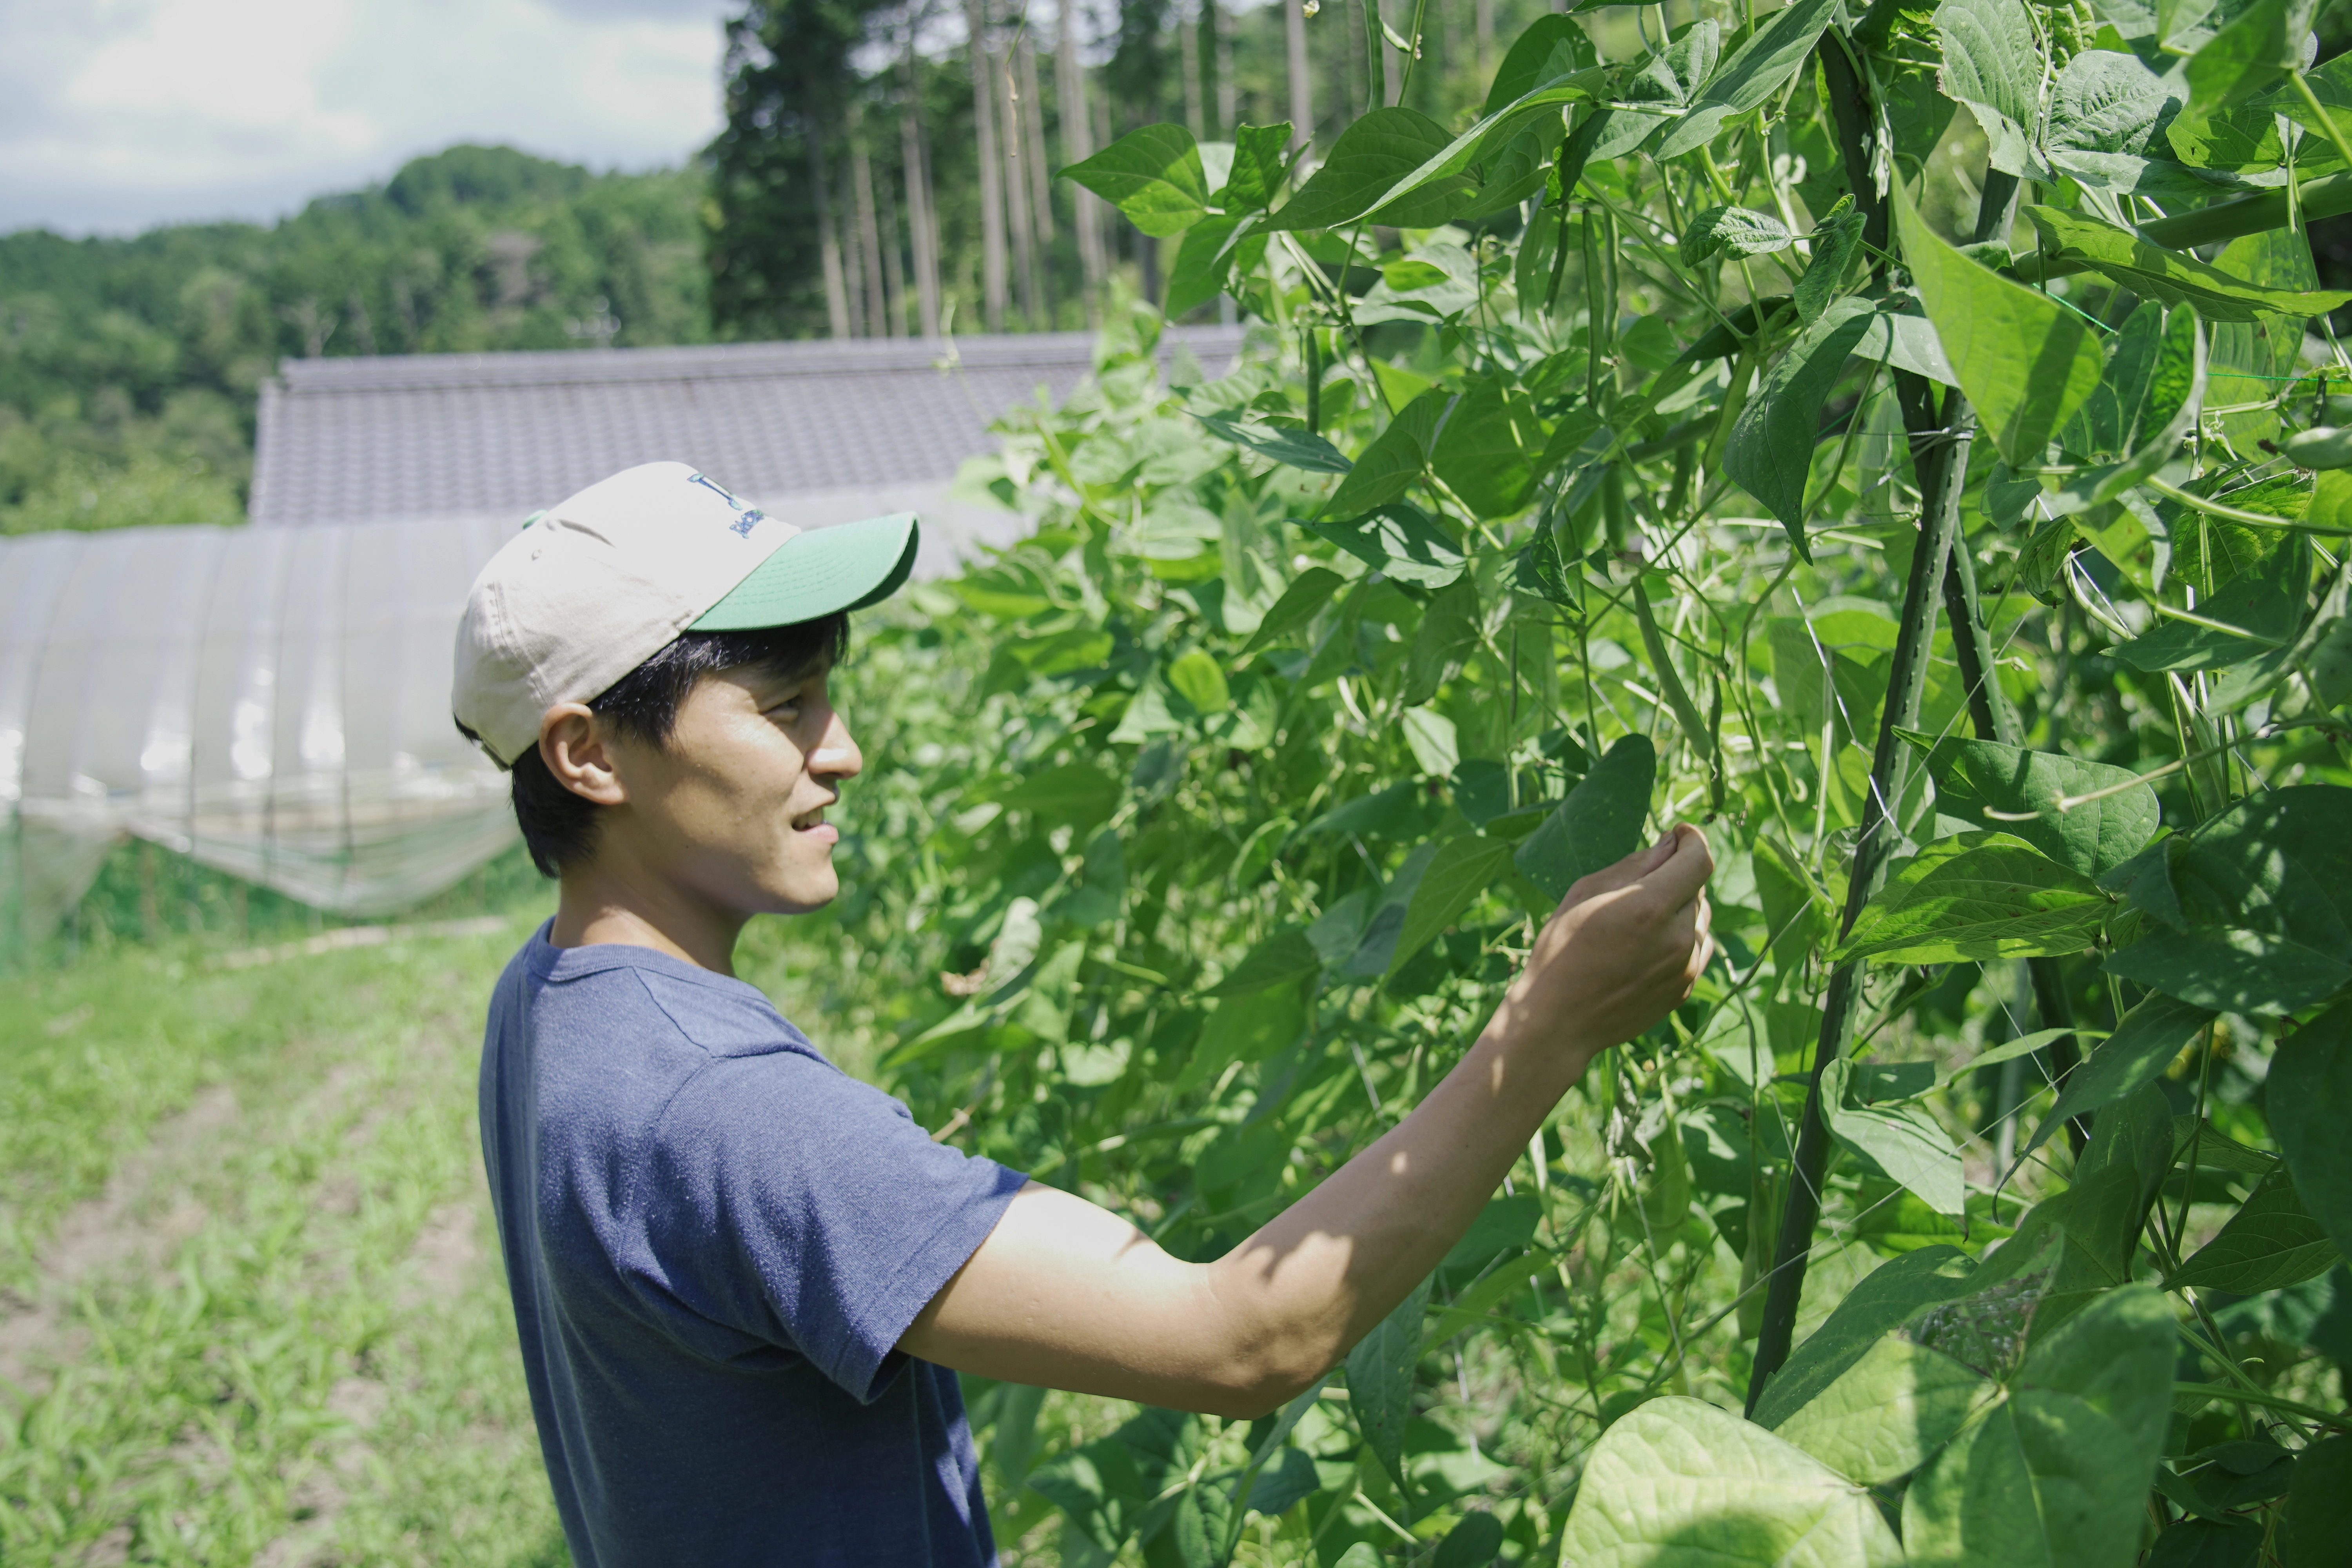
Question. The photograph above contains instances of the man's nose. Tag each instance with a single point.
(836, 756)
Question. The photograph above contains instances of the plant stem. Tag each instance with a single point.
(1939, 458)
(1994, 719)
(1940, 447)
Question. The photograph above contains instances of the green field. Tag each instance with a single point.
(250, 1302)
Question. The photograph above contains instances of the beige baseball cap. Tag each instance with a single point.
(598, 584)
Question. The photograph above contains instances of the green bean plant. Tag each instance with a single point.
(1900, 439)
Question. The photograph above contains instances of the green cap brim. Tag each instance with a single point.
(820, 573)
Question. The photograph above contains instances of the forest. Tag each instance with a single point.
(879, 188)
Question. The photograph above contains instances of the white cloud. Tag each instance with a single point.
(118, 114)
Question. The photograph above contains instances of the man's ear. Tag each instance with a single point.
(577, 748)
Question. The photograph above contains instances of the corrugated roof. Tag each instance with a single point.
(393, 437)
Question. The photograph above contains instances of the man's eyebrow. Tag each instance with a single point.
(768, 676)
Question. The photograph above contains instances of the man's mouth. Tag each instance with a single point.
(809, 819)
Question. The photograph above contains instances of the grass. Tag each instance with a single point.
(254, 1312)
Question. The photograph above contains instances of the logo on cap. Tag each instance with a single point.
(742, 526)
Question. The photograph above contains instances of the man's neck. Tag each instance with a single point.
(603, 904)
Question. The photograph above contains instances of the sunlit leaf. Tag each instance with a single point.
(1679, 1482)
(2025, 361)
(1373, 153)
(1976, 896)
(1763, 65)
(1728, 230)
(1889, 1412)
(2171, 276)
(1152, 174)
(1992, 63)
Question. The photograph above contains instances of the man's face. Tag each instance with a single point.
(731, 810)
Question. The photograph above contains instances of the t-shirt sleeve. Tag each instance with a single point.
(819, 1216)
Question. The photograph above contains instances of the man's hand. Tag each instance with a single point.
(1621, 952)
(1066, 1294)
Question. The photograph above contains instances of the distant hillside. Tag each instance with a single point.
(129, 367)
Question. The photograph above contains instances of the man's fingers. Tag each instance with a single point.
(1682, 872)
(1622, 874)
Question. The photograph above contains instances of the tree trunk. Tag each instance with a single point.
(864, 305)
(922, 219)
(882, 318)
(992, 193)
(1188, 57)
(894, 260)
(1485, 25)
(1077, 144)
(1006, 90)
(1040, 191)
(1228, 116)
(837, 288)
(1302, 91)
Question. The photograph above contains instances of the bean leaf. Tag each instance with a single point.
(2309, 1096)
(2232, 970)
(1153, 175)
(1597, 825)
(2025, 361)
(1402, 541)
(1977, 777)
(1976, 896)
(1770, 452)
(1285, 956)
(1888, 1411)
(2084, 1420)
(1764, 63)
(1379, 1382)
(1464, 868)
(1486, 452)
(2143, 1044)
(1295, 448)
(1992, 63)
(1735, 231)
(1397, 457)
(2168, 275)
(1372, 155)
(2270, 1242)
(1679, 1480)
(1905, 1140)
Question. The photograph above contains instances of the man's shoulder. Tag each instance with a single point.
(631, 987)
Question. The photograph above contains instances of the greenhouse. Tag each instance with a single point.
(272, 702)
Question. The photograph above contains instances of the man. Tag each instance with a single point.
(739, 1277)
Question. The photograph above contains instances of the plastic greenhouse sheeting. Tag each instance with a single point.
(273, 702)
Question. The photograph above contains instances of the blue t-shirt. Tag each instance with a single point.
(714, 1238)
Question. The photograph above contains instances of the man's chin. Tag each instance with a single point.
(805, 895)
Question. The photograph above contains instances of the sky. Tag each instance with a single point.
(118, 115)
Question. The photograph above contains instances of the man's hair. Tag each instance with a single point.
(559, 828)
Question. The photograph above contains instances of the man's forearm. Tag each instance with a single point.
(1298, 1294)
